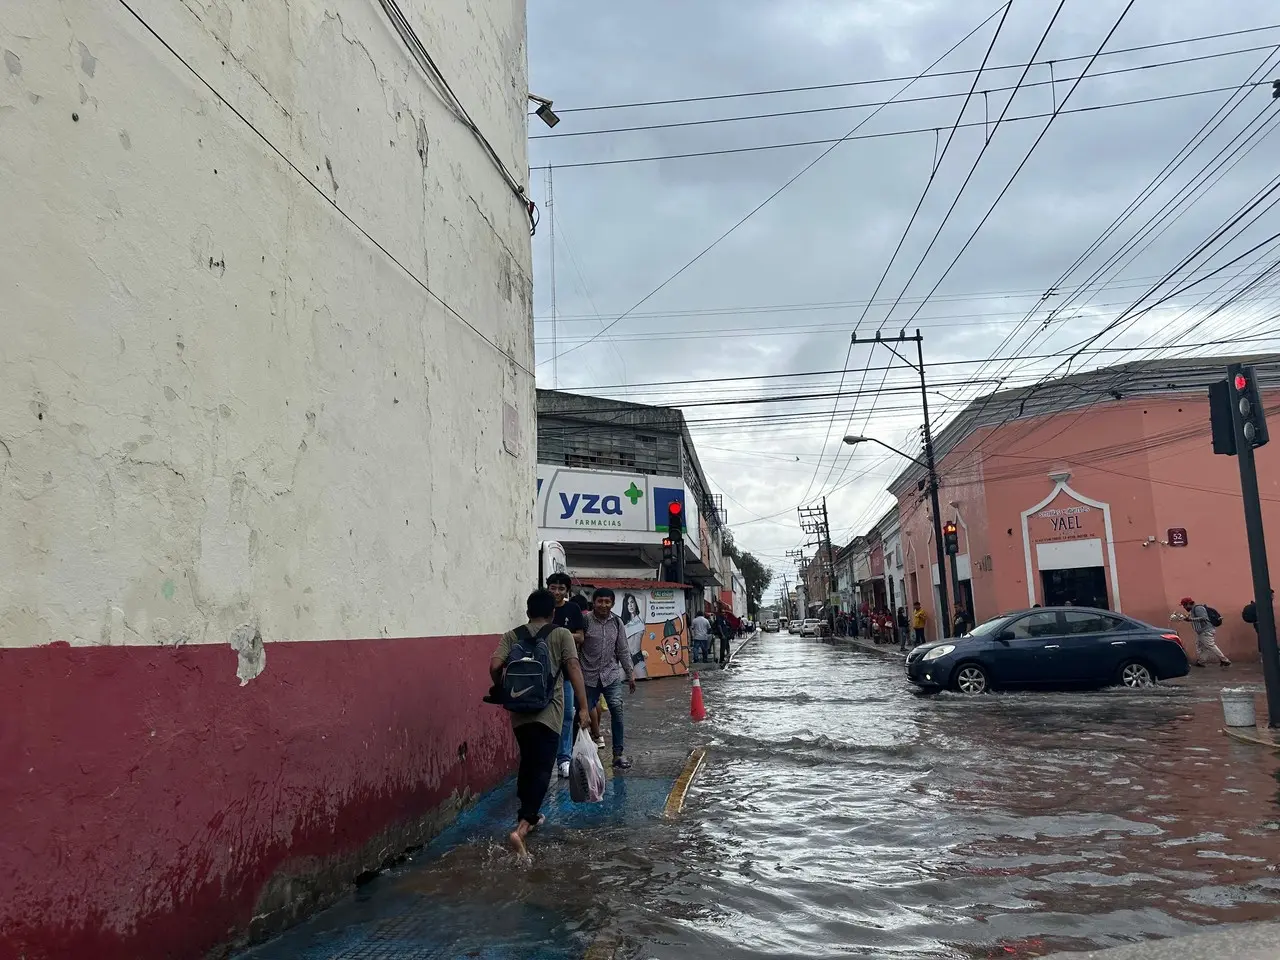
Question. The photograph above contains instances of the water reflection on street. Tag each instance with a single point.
(843, 815)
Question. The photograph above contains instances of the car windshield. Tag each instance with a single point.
(989, 628)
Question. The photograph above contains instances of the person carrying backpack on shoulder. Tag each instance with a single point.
(526, 670)
(1206, 621)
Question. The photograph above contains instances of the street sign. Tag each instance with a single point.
(1177, 537)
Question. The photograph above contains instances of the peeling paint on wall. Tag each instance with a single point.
(251, 654)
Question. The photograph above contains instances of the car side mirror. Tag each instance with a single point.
(1004, 636)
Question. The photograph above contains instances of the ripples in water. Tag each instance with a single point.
(845, 816)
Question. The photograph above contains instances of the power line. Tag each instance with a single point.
(314, 186)
(943, 73)
(933, 173)
(837, 108)
(947, 216)
(726, 151)
(809, 166)
(1183, 154)
(1125, 284)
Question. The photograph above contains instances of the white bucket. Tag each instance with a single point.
(1238, 708)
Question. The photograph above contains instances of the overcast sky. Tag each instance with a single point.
(821, 246)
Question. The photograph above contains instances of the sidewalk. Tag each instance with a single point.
(448, 899)
(884, 649)
(1255, 942)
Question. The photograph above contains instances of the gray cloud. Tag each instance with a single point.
(627, 228)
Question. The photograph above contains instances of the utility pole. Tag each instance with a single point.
(944, 610)
(551, 239)
(1247, 429)
(813, 520)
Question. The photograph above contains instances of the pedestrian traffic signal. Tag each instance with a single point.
(1253, 420)
(951, 537)
(675, 519)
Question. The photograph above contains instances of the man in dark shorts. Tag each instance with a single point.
(538, 734)
(569, 616)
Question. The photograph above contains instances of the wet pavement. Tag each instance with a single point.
(838, 814)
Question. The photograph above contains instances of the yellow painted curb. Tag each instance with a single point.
(675, 799)
(1259, 736)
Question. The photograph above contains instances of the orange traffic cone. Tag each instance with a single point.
(697, 709)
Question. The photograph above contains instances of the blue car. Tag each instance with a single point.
(1050, 646)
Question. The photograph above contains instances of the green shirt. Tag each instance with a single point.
(560, 642)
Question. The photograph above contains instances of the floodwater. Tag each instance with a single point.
(841, 815)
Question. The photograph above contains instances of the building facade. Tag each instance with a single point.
(894, 585)
(267, 413)
(1099, 489)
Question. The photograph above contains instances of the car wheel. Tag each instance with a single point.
(1135, 674)
(970, 679)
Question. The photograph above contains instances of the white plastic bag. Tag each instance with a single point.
(586, 772)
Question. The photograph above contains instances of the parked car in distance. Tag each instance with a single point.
(771, 626)
(811, 628)
(1051, 646)
(794, 626)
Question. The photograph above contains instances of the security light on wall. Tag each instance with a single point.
(544, 111)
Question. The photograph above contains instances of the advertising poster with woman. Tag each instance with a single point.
(633, 619)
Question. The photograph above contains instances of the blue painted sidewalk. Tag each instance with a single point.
(466, 896)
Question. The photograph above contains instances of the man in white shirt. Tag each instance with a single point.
(700, 638)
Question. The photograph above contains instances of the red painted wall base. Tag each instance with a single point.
(153, 807)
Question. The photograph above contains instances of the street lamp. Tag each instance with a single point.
(928, 465)
(852, 440)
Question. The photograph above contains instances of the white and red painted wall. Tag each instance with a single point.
(266, 447)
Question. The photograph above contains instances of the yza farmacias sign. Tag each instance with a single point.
(617, 507)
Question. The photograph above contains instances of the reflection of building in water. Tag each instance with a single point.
(1080, 490)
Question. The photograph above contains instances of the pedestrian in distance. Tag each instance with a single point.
(904, 628)
(918, 620)
(526, 669)
(1205, 620)
(725, 631)
(606, 662)
(569, 616)
(960, 622)
(1250, 614)
(700, 637)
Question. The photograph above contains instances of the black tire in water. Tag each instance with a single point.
(970, 679)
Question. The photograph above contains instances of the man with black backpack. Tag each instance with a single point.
(526, 671)
(1205, 620)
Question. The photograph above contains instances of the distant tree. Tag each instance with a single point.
(756, 574)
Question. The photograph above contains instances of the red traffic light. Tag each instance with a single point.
(1242, 382)
(667, 542)
(675, 508)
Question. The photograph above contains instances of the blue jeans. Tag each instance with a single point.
(567, 728)
(613, 698)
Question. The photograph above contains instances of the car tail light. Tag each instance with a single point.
(1171, 636)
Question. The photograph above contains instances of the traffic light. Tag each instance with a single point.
(951, 537)
(675, 520)
(1222, 427)
(1253, 420)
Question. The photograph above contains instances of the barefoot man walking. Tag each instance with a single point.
(533, 694)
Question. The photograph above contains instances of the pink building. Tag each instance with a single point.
(1100, 489)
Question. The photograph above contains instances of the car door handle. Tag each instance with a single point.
(1051, 646)
(1117, 643)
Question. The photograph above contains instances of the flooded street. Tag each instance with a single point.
(839, 814)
